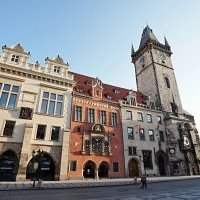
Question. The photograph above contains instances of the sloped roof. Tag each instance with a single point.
(147, 35)
(84, 85)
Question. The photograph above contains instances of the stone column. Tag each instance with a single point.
(64, 163)
(21, 175)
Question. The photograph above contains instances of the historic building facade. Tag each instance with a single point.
(144, 137)
(96, 139)
(58, 125)
(35, 107)
(156, 79)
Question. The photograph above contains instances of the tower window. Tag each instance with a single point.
(167, 82)
(15, 58)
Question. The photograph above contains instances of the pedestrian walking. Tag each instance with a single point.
(143, 182)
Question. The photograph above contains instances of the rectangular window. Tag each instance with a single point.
(87, 145)
(102, 117)
(41, 130)
(151, 135)
(73, 165)
(140, 116)
(91, 115)
(114, 119)
(149, 118)
(147, 159)
(161, 135)
(55, 131)
(15, 58)
(130, 133)
(115, 167)
(159, 119)
(132, 151)
(128, 115)
(78, 113)
(52, 104)
(142, 134)
(8, 128)
(8, 95)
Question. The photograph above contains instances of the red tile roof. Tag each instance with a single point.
(84, 85)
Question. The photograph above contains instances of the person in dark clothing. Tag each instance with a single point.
(144, 182)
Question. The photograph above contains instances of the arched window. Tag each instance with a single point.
(167, 82)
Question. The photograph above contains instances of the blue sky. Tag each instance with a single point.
(95, 36)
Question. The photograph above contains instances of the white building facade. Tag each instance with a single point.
(35, 109)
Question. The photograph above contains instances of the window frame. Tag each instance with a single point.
(102, 117)
(91, 115)
(15, 58)
(140, 117)
(114, 119)
(58, 139)
(78, 113)
(115, 167)
(49, 100)
(73, 165)
(127, 115)
(149, 120)
(4, 126)
(152, 136)
(37, 138)
(128, 133)
(142, 138)
(9, 93)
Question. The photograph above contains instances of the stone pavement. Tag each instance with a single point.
(86, 183)
(169, 190)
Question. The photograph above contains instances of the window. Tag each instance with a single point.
(52, 104)
(147, 159)
(15, 58)
(130, 133)
(55, 131)
(151, 135)
(102, 117)
(128, 115)
(41, 129)
(167, 82)
(161, 134)
(8, 128)
(91, 115)
(97, 144)
(149, 118)
(106, 146)
(142, 134)
(132, 101)
(115, 167)
(73, 165)
(114, 119)
(56, 69)
(78, 113)
(140, 116)
(87, 145)
(131, 151)
(159, 119)
(8, 95)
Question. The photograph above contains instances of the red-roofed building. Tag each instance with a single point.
(96, 138)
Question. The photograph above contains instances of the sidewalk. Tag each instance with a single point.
(86, 183)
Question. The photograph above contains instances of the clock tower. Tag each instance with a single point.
(155, 74)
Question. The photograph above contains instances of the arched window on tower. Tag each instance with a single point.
(167, 82)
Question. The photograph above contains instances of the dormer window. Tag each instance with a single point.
(132, 101)
(57, 69)
(15, 58)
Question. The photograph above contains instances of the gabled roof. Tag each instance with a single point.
(147, 35)
(113, 93)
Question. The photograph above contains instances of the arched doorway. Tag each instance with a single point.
(161, 165)
(133, 168)
(8, 166)
(89, 169)
(103, 170)
(45, 169)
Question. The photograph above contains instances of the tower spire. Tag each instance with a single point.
(166, 42)
(132, 50)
